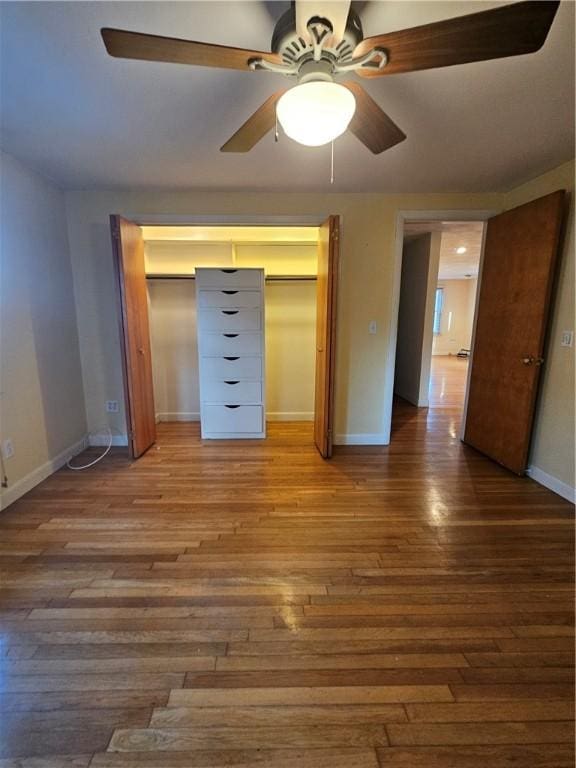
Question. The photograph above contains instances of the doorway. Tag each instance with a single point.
(509, 328)
(438, 289)
(301, 266)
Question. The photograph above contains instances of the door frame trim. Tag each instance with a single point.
(403, 216)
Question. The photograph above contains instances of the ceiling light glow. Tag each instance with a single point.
(461, 249)
(316, 113)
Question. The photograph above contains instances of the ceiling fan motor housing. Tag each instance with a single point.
(298, 52)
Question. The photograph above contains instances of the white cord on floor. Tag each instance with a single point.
(99, 458)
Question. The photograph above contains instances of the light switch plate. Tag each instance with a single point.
(567, 339)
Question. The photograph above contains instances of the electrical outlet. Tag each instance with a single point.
(112, 406)
(567, 339)
(372, 327)
(7, 449)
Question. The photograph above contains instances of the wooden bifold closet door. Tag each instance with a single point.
(328, 253)
(519, 262)
(128, 249)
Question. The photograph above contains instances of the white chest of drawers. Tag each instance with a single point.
(230, 306)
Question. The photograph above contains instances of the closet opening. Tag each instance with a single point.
(280, 344)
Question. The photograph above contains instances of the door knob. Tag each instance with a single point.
(529, 360)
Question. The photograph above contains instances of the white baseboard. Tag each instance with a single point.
(32, 479)
(552, 483)
(178, 416)
(361, 439)
(290, 416)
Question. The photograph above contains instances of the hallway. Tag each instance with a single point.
(222, 604)
(448, 381)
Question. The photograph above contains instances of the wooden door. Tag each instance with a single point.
(128, 248)
(328, 252)
(517, 275)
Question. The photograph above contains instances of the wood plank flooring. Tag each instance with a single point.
(247, 604)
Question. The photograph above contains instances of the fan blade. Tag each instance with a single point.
(510, 30)
(256, 127)
(134, 45)
(370, 124)
(336, 11)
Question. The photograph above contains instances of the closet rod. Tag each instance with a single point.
(269, 279)
(170, 277)
(296, 278)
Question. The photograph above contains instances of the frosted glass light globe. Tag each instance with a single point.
(315, 113)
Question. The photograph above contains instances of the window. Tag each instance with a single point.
(438, 302)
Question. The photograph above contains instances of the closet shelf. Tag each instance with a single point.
(269, 279)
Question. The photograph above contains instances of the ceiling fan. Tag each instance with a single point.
(317, 41)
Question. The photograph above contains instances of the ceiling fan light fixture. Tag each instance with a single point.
(316, 113)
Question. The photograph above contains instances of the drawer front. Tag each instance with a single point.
(229, 278)
(232, 392)
(230, 344)
(230, 320)
(230, 298)
(229, 369)
(242, 418)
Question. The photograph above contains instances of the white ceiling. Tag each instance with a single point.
(88, 120)
(455, 234)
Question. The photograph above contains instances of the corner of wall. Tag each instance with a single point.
(43, 404)
(37, 475)
(567, 492)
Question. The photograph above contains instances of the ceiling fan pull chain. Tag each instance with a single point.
(332, 162)
(276, 125)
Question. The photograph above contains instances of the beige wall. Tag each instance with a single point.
(290, 350)
(172, 306)
(457, 317)
(42, 401)
(553, 439)
(363, 369)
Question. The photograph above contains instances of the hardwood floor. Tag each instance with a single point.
(448, 382)
(247, 604)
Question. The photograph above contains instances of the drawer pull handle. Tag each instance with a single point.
(231, 358)
(230, 335)
(229, 293)
(231, 382)
(229, 271)
(231, 406)
(229, 311)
